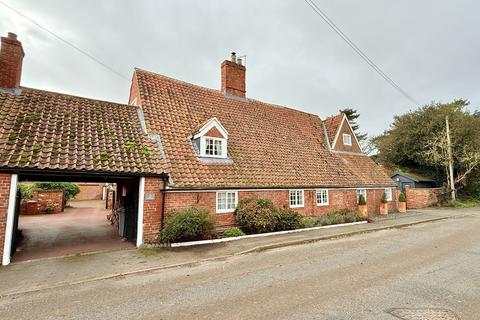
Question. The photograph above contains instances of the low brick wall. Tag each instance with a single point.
(43, 201)
(422, 197)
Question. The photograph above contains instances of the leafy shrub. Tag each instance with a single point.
(188, 224)
(256, 216)
(339, 216)
(402, 197)
(70, 189)
(350, 217)
(335, 217)
(383, 199)
(361, 200)
(233, 232)
(308, 222)
(49, 207)
(288, 219)
(26, 190)
(324, 220)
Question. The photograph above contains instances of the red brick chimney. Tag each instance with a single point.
(233, 77)
(11, 58)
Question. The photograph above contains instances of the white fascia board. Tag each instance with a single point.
(209, 125)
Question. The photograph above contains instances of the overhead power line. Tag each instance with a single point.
(88, 55)
(369, 61)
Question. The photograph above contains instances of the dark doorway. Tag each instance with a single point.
(83, 226)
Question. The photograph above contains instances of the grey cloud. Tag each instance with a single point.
(430, 48)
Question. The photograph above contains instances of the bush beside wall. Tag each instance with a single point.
(188, 224)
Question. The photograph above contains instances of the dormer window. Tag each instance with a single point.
(213, 147)
(347, 139)
(211, 139)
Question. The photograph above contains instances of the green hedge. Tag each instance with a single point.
(188, 224)
(261, 215)
(256, 216)
(233, 232)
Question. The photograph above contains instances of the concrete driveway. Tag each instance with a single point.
(427, 271)
(82, 228)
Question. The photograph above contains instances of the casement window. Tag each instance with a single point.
(296, 198)
(322, 197)
(214, 147)
(388, 193)
(226, 201)
(347, 139)
(362, 191)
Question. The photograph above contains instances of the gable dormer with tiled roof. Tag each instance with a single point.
(340, 135)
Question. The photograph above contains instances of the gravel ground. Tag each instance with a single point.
(428, 271)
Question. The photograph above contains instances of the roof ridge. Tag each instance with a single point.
(275, 105)
(176, 80)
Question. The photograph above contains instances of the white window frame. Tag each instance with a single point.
(389, 194)
(347, 139)
(361, 191)
(226, 210)
(203, 147)
(298, 205)
(326, 197)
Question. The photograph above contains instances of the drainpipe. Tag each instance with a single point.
(164, 193)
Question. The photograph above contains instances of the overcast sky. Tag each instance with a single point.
(430, 48)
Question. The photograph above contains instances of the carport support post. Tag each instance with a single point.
(141, 198)
(10, 218)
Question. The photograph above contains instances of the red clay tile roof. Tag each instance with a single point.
(268, 145)
(331, 125)
(365, 170)
(46, 130)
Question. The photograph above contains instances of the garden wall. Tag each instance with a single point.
(43, 201)
(422, 197)
(90, 191)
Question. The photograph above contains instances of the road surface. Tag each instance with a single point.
(426, 271)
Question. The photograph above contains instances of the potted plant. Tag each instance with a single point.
(384, 205)
(402, 203)
(362, 206)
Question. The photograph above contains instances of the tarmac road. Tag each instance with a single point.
(428, 271)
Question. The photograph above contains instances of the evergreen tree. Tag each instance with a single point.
(352, 116)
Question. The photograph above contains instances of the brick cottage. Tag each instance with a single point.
(185, 145)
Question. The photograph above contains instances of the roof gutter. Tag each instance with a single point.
(85, 173)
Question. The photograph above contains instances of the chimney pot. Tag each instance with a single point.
(11, 59)
(233, 57)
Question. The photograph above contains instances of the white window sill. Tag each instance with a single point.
(297, 206)
(225, 211)
(322, 204)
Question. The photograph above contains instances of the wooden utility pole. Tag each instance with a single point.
(450, 160)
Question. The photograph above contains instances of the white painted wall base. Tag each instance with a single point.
(141, 198)
(10, 219)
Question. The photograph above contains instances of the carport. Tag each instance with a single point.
(47, 136)
(129, 197)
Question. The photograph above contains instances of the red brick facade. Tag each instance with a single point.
(421, 197)
(11, 58)
(152, 208)
(4, 195)
(90, 191)
(338, 199)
